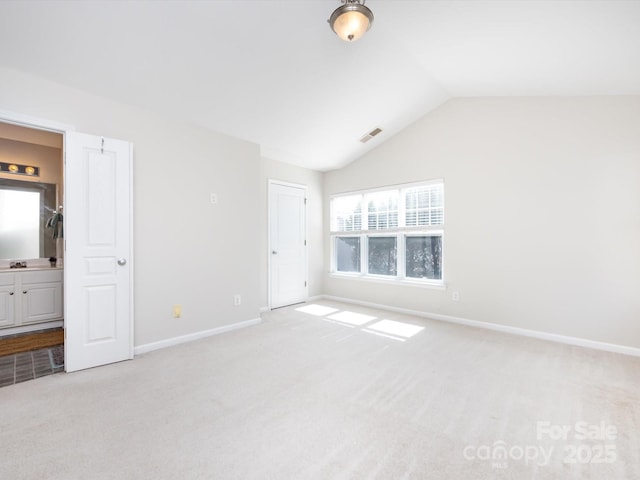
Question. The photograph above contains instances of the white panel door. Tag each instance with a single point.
(98, 254)
(287, 241)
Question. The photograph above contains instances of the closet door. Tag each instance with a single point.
(288, 244)
(98, 251)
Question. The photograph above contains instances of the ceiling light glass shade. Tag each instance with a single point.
(351, 20)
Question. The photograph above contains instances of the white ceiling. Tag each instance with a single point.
(273, 73)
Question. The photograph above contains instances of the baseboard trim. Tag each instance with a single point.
(31, 328)
(170, 342)
(575, 341)
(264, 310)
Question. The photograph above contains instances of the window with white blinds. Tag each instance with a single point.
(424, 205)
(389, 233)
(346, 213)
(382, 210)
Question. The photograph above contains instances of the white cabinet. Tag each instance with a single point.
(30, 296)
(7, 300)
(41, 294)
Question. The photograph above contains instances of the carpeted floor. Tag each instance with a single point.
(333, 392)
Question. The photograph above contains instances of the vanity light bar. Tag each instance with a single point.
(20, 169)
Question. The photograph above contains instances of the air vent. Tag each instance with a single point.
(370, 135)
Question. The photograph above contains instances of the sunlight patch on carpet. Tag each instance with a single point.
(399, 330)
(317, 310)
(352, 318)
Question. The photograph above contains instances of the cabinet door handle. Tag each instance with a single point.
(122, 262)
(10, 293)
(24, 291)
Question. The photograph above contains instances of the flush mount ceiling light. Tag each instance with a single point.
(351, 20)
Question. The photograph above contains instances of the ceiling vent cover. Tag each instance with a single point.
(370, 135)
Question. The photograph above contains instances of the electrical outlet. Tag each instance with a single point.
(455, 296)
(213, 198)
(177, 311)
(237, 299)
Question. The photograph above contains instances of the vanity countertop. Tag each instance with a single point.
(29, 269)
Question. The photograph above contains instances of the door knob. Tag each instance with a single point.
(274, 252)
(122, 262)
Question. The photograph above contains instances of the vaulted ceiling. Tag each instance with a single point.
(273, 73)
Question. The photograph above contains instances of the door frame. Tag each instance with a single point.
(271, 182)
(62, 128)
(35, 123)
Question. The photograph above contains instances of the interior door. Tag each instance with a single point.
(287, 241)
(98, 251)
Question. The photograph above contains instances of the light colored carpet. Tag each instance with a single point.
(305, 397)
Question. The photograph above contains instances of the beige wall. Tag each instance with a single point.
(48, 159)
(313, 180)
(187, 251)
(23, 134)
(542, 205)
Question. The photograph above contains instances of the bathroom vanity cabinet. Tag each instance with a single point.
(30, 296)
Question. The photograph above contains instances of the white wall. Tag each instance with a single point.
(186, 251)
(542, 211)
(542, 205)
(274, 170)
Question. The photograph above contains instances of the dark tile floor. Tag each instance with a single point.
(30, 365)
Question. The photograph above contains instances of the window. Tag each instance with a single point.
(347, 251)
(347, 213)
(423, 256)
(424, 206)
(382, 255)
(392, 233)
(382, 210)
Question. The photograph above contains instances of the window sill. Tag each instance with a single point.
(435, 285)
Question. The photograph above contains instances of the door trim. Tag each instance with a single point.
(271, 183)
(35, 123)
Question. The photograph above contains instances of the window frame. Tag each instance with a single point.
(334, 256)
(401, 232)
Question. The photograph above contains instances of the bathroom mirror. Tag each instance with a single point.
(25, 208)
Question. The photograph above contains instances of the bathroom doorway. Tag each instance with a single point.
(31, 253)
(95, 250)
